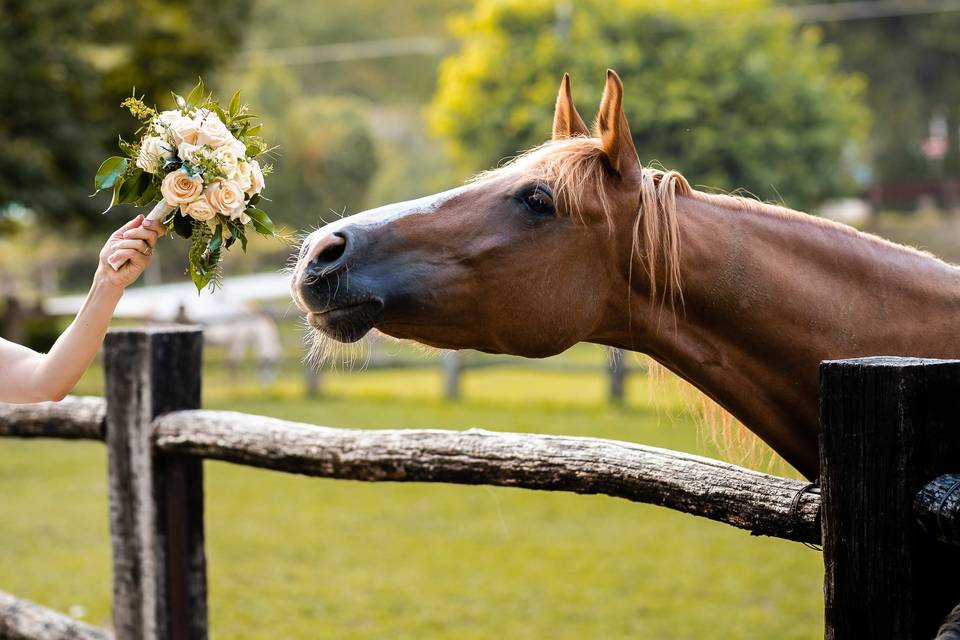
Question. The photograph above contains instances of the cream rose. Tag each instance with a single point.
(225, 197)
(200, 210)
(256, 178)
(185, 129)
(242, 176)
(189, 152)
(179, 188)
(154, 150)
(213, 132)
(226, 158)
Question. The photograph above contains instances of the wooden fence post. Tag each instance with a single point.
(889, 426)
(617, 371)
(452, 369)
(156, 500)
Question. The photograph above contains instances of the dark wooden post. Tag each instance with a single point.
(889, 426)
(452, 369)
(156, 500)
(617, 370)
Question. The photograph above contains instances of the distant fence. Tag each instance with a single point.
(455, 364)
(890, 506)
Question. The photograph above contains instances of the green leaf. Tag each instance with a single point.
(234, 107)
(182, 226)
(243, 239)
(114, 199)
(254, 130)
(262, 223)
(195, 97)
(181, 103)
(254, 199)
(133, 186)
(149, 195)
(216, 241)
(217, 109)
(110, 169)
(255, 148)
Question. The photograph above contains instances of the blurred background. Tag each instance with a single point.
(849, 110)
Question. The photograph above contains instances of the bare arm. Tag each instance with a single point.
(27, 376)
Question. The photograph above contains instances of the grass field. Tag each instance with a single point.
(293, 557)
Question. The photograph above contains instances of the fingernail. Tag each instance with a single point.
(148, 223)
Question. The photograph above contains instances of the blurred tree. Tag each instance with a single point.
(912, 63)
(731, 100)
(325, 163)
(65, 65)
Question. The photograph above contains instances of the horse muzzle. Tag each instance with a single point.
(338, 300)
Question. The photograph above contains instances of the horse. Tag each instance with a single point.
(575, 241)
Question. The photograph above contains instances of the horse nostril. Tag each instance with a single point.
(333, 251)
(328, 250)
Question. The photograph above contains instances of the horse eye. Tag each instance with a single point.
(539, 203)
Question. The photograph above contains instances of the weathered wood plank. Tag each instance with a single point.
(25, 620)
(888, 426)
(74, 417)
(754, 501)
(156, 501)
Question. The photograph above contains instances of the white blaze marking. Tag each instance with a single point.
(371, 218)
(386, 214)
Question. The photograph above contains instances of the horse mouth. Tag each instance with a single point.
(347, 322)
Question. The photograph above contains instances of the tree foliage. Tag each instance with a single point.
(911, 62)
(65, 65)
(730, 99)
(325, 163)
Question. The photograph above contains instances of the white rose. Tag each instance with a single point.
(242, 176)
(189, 152)
(200, 210)
(165, 120)
(225, 197)
(213, 132)
(185, 129)
(179, 188)
(239, 148)
(226, 158)
(256, 178)
(153, 152)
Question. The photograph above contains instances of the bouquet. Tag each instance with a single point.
(200, 161)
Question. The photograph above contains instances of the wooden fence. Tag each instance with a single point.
(454, 365)
(890, 501)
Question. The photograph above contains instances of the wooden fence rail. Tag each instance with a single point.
(889, 457)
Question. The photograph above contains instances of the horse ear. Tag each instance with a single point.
(612, 128)
(567, 123)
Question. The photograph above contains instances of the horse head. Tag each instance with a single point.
(521, 260)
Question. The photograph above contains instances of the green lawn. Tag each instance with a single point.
(293, 557)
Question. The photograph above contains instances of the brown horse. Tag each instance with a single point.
(575, 241)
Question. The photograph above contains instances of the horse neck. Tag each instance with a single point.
(767, 295)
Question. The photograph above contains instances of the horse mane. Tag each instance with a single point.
(577, 166)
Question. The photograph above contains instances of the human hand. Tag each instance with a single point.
(130, 248)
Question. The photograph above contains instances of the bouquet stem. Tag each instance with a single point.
(160, 211)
